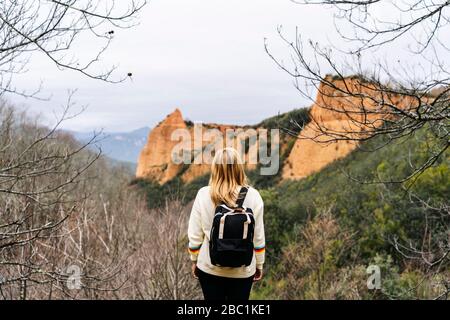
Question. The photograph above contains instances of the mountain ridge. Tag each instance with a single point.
(310, 152)
(120, 146)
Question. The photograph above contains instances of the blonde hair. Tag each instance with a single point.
(227, 174)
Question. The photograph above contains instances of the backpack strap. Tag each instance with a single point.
(241, 197)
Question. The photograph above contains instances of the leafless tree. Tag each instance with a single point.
(72, 226)
(54, 28)
(159, 269)
(39, 170)
(394, 98)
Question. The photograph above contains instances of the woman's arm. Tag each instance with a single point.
(195, 230)
(259, 241)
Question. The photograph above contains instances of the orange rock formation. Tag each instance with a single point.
(335, 117)
(331, 116)
(155, 160)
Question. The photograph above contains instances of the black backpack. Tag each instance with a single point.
(231, 238)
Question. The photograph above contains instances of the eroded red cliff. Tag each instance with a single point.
(155, 161)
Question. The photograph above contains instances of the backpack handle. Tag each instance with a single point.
(222, 224)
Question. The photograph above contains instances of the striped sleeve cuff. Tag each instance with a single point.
(260, 256)
(193, 252)
(261, 249)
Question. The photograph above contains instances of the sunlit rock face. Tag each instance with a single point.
(335, 117)
(155, 161)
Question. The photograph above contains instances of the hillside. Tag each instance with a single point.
(331, 211)
(323, 231)
(371, 215)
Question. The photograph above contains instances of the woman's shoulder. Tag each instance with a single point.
(204, 190)
(252, 192)
(203, 195)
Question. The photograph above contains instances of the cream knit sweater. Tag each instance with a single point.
(200, 223)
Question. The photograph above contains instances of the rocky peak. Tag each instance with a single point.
(155, 160)
(173, 118)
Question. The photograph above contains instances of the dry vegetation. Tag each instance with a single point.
(65, 208)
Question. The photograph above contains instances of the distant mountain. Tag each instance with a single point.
(120, 146)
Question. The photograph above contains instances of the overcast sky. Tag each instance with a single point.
(205, 57)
